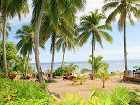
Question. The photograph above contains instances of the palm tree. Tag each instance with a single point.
(64, 42)
(10, 8)
(63, 29)
(125, 9)
(39, 8)
(90, 26)
(26, 43)
(97, 62)
(60, 17)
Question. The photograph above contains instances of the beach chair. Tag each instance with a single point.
(136, 73)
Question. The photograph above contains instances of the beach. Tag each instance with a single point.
(62, 87)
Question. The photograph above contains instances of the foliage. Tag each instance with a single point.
(26, 42)
(71, 68)
(80, 78)
(26, 92)
(97, 62)
(103, 73)
(90, 25)
(11, 53)
(60, 72)
(72, 99)
(135, 98)
(22, 93)
(67, 69)
(124, 10)
(84, 70)
(99, 97)
(119, 96)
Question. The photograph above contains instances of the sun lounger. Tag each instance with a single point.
(69, 77)
(136, 73)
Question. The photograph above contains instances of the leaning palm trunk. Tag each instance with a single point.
(125, 51)
(53, 54)
(36, 39)
(64, 50)
(93, 45)
(26, 65)
(4, 47)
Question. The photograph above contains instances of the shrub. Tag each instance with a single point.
(119, 96)
(79, 78)
(22, 92)
(60, 72)
(135, 98)
(103, 73)
(72, 99)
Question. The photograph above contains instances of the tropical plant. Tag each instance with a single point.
(15, 93)
(60, 72)
(96, 62)
(38, 11)
(79, 78)
(11, 53)
(72, 99)
(119, 96)
(65, 42)
(59, 21)
(90, 26)
(103, 73)
(1, 27)
(124, 10)
(26, 43)
(71, 68)
(9, 9)
(135, 98)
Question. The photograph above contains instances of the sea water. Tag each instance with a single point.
(114, 65)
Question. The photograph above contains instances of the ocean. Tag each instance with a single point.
(114, 65)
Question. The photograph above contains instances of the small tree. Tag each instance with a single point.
(80, 78)
(103, 73)
(96, 62)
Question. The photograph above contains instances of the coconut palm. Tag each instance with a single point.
(90, 27)
(60, 18)
(97, 62)
(38, 10)
(64, 42)
(63, 29)
(8, 9)
(26, 43)
(124, 10)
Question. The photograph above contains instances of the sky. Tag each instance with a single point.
(109, 51)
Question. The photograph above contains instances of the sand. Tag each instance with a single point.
(62, 87)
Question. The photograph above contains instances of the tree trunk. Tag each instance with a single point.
(125, 51)
(27, 64)
(103, 84)
(93, 48)
(53, 54)
(64, 50)
(4, 46)
(36, 39)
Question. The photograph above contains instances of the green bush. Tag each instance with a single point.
(11, 52)
(30, 93)
(60, 72)
(22, 92)
(66, 70)
(135, 98)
